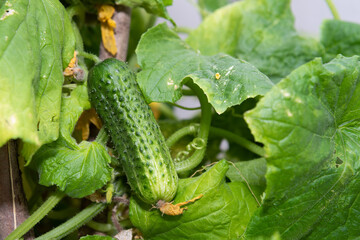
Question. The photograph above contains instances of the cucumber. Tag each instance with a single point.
(133, 130)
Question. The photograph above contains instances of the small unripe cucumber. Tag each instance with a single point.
(131, 125)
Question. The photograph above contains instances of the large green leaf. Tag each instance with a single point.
(252, 172)
(222, 213)
(259, 31)
(339, 37)
(37, 44)
(78, 172)
(166, 61)
(310, 126)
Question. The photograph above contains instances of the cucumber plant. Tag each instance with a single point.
(287, 106)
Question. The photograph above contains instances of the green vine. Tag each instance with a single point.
(194, 128)
(196, 158)
(333, 9)
(74, 223)
(39, 214)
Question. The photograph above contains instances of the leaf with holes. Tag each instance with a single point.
(167, 61)
(259, 31)
(310, 126)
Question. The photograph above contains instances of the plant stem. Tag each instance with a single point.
(167, 111)
(101, 227)
(102, 137)
(194, 128)
(249, 145)
(187, 92)
(89, 56)
(196, 158)
(44, 209)
(76, 10)
(333, 9)
(74, 223)
(183, 30)
(176, 136)
(185, 108)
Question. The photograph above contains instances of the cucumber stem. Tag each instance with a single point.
(333, 9)
(196, 158)
(41, 212)
(74, 223)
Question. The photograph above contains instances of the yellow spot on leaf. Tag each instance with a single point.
(105, 12)
(217, 76)
(83, 124)
(174, 209)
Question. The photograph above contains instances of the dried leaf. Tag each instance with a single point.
(69, 70)
(174, 209)
(105, 12)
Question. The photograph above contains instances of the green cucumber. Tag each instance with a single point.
(134, 132)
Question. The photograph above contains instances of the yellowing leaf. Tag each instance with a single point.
(108, 25)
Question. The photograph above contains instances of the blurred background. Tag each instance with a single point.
(309, 15)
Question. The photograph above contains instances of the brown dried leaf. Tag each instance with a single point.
(174, 209)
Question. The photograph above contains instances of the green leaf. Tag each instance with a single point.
(233, 121)
(37, 44)
(339, 37)
(222, 213)
(259, 31)
(71, 108)
(140, 22)
(253, 171)
(157, 7)
(166, 61)
(309, 124)
(211, 5)
(97, 237)
(78, 172)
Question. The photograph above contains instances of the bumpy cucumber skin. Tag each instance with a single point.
(131, 125)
